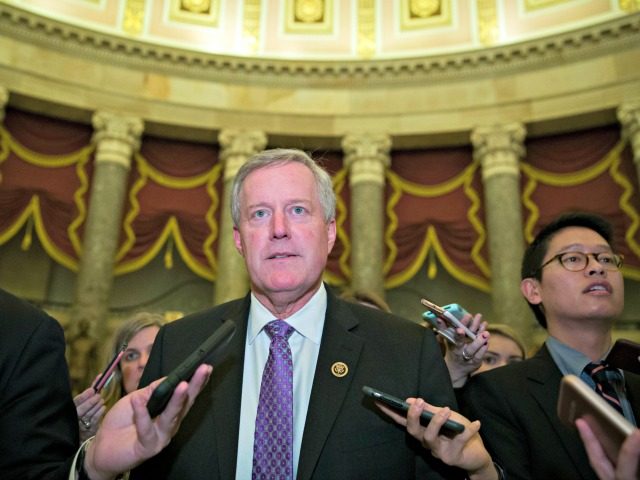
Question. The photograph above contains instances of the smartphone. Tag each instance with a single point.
(161, 395)
(451, 315)
(625, 355)
(578, 400)
(105, 376)
(450, 427)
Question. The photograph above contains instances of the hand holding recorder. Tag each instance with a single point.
(449, 435)
(184, 371)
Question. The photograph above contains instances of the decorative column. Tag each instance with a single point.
(629, 117)
(367, 158)
(499, 149)
(232, 280)
(116, 138)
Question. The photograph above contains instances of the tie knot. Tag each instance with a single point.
(599, 370)
(279, 329)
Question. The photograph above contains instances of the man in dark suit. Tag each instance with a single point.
(38, 424)
(283, 207)
(571, 278)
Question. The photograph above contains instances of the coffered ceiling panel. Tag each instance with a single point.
(330, 29)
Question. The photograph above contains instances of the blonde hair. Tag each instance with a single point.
(508, 332)
(114, 391)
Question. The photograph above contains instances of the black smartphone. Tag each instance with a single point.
(450, 427)
(625, 355)
(105, 376)
(578, 400)
(218, 339)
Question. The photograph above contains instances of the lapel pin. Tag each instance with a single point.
(339, 369)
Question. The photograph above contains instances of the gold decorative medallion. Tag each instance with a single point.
(339, 369)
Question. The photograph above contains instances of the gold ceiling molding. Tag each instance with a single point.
(532, 5)
(133, 20)
(421, 14)
(630, 6)
(488, 22)
(366, 28)
(309, 16)
(607, 37)
(251, 25)
(198, 12)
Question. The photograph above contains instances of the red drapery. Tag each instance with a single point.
(434, 199)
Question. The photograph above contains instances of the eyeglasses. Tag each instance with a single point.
(578, 261)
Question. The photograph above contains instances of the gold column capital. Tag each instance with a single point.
(499, 148)
(367, 157)
(116, 136)
(629, 118)
(237, 147)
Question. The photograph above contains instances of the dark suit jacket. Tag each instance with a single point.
(38, 424)
(345, 435)
(517, 407)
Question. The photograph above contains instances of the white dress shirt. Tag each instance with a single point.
(305, 345)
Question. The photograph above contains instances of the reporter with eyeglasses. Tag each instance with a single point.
(572, 281)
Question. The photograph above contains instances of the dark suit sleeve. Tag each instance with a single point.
(483, 398)
(38, 425)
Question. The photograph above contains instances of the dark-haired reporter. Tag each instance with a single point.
(572, 280)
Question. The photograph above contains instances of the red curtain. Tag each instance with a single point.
(434, 199)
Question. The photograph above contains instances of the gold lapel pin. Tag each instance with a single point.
(339, 369)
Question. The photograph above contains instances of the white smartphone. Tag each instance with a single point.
(578, 400)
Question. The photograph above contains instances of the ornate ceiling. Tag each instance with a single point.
(344, 30)
(307, 72)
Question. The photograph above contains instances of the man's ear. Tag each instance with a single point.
(530, 288)
(237, 240)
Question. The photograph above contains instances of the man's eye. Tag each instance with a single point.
(259, 213)
(605, 258)
(298, 210)
(571, 259)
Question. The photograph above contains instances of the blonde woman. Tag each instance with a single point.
(138, 333)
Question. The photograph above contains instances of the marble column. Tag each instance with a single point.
(116, 138)
(499, 150)
(367, 157)
(232, 280)
(629, 117)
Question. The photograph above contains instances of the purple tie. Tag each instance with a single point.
(273, 441)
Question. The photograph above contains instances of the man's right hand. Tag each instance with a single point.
(128, 436)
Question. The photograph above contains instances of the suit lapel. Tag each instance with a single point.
(226, 394)
(329, 390)
(544, 382)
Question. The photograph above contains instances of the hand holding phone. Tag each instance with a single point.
(161, 395)
(104, 378)
(450, 315)
(450, 427)
(578, 400)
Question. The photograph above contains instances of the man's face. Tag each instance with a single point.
(282, 233)
(593, 293)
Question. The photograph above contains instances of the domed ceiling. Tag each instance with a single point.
(324, 30)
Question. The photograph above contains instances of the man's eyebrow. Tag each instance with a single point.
(581, 246)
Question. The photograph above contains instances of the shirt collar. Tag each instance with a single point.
(308, 321)
(569, 360)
